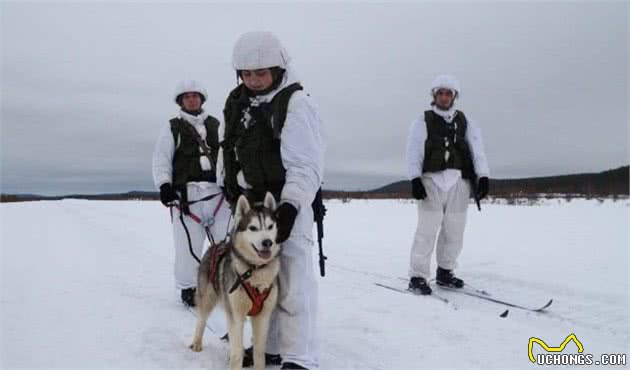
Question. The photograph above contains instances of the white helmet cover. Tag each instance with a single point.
(187, 86)
(446, 82)
(259, 50)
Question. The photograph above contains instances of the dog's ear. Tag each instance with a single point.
(242, 207)
(270, 202)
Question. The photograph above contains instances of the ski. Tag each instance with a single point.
(483, 294)
(407, 291)
(488, 297)
(476, 290)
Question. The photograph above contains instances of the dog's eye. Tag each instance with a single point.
(253, 228)
(270, 227)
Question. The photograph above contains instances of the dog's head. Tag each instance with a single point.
(255, 236)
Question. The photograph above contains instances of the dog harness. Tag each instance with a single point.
(217, 252)
(258, 299)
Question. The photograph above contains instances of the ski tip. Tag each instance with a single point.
(543, 308)
(505, 313)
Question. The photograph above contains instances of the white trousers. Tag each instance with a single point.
(293, 329)
(441, 215)
(186, 265)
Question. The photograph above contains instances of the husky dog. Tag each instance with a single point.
(241, 273)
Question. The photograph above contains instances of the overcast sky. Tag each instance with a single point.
(86, 87)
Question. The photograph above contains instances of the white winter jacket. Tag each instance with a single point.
(302, 148)
(443, 179)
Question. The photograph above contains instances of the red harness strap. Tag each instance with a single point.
(217, 252)
(218, 207)
(258, 299)
(193, 216)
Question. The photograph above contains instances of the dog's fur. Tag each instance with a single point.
(253, 243)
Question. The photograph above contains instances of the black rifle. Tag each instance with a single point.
(472, 176)
(319, 211)
(473, 188)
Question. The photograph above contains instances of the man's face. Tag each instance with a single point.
(191, 101)
(257, 80)
(444, 98)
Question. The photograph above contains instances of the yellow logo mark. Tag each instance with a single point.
(560, 348)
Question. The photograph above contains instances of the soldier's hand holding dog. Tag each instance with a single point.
(285, 216)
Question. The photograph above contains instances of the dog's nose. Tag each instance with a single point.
(267, 243)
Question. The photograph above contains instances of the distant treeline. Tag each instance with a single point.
(613, 183)
(590, 185)
(133, 195)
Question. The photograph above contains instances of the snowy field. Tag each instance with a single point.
(88, 284)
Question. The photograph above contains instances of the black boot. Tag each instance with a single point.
(291, 365)
(188, 296)
(446, 278)
(270, 359)
(419, 285)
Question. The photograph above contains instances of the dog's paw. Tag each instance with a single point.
(196, 347)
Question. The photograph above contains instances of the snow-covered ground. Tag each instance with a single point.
(88, 284)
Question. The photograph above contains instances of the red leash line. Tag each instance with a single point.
(191, 215)
(196, 218)
(218, 207)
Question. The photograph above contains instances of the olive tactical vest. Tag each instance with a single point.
(446, 146)
(186, 166)
(252, 141)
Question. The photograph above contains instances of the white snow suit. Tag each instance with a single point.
(214, 212)
(293, 330)
(442, 214)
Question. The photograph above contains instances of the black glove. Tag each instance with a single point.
(285, 216)
(228, 195)
(483, 187)
(417, 189)
(167, 194)
(231, 192)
